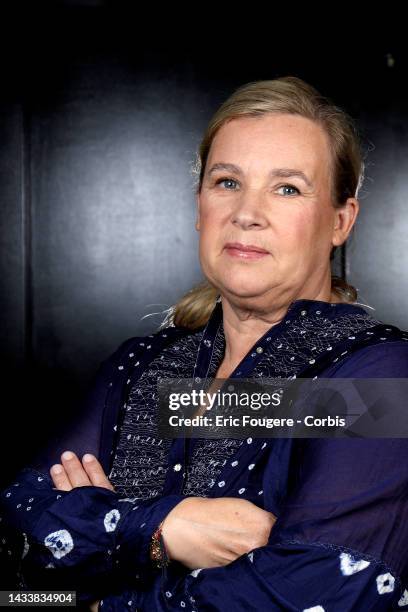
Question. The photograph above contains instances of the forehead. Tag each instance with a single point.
(281, 139)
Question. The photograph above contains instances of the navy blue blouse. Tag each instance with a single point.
(341, 537)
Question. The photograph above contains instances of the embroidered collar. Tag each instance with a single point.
(309, 329)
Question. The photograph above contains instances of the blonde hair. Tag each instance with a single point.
(289, 95)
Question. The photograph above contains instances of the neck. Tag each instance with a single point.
(244, 327)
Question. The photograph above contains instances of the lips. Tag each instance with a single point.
(245, 251)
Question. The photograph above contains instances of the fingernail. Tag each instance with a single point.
(56, 469)
(88, 458)
(67, 455)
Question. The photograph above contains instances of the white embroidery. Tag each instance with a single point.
(404, 599)
(140, 467)
(195, 572)
(251, 557)
(385, 583)
(350, 565)
(111, 520)
(60, 543)
(314, 609)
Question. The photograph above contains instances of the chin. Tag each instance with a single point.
(243, 287)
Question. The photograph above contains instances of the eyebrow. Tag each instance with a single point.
(276, 172)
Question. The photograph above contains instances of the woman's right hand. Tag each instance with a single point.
(201, 532)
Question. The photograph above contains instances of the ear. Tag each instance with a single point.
(197, 223)
(344, 220)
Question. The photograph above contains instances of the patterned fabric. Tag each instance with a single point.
(340, 539)
(140, 462)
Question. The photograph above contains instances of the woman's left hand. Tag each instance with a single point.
(74, 473)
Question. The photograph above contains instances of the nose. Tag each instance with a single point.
(248, 212)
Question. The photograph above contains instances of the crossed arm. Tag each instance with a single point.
(329, 550)
(330, 540)
(198, 532)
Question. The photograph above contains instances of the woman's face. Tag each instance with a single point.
(265, 214)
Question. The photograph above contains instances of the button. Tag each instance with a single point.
(177, 467)
(259, 349)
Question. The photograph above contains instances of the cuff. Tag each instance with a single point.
(132, 551)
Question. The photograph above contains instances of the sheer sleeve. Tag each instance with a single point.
(72, 540)
(83, 433)
(340, 543)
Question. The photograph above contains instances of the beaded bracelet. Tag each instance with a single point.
(158, 551)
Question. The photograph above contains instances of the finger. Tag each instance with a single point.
(95, 472)
(74, 469)
(60, 478)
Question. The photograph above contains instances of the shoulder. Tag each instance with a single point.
(383, 359)
(367, 347)
(144, 347)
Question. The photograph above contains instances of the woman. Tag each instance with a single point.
(279, 172)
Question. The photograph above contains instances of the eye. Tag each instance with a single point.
(287, 187)
(226, 180)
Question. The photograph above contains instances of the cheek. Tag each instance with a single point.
(211, 212)
(314, 223)
(322, 225)
(292, 231)
(212, 222)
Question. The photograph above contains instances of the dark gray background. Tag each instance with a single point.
(102, 109)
